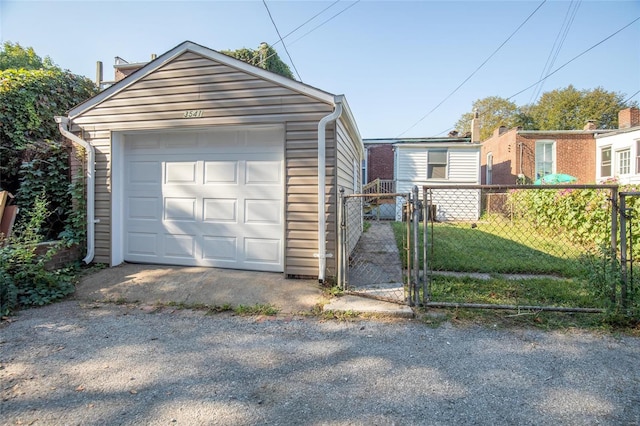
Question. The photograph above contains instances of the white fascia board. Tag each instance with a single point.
(463, 145)
(350, 121)
(189, 46)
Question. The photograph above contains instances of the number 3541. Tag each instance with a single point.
(195, 113)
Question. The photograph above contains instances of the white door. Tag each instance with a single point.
(207, 198)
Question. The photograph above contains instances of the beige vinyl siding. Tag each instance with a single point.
(227, 97)
(348, 152)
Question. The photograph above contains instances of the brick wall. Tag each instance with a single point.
(503, 147)
(629, 117)
(514, 153)
(379, 162)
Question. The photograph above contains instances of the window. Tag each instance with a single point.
(437, 164)
(489, 168)
(623, 163)
(605, 161)
(638, 157)
(545, 158)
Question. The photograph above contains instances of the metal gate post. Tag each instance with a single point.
(342, 273)
(623, 251)
(416, 245)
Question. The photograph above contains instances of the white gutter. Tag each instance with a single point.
(322, 142)
(63, 126)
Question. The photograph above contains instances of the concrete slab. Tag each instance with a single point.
(151, 284)
(350, 303)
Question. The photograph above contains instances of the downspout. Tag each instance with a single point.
(322, 143)
(63, 126)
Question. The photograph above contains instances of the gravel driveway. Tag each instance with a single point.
(118, 364)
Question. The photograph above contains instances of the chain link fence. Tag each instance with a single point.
(516, 246)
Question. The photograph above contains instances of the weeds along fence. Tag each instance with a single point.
(521, 246)
(629, 213)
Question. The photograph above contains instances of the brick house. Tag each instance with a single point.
(514, 155)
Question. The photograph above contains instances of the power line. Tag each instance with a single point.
(476, 70)
(334, 16)
(569, 17)
(318, 26)
(296, 29)
(575, 57)
(282, 41)
(631, 97)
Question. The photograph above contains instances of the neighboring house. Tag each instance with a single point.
(522, 156)
(440, 161)
(378, 162)
(618, 152)
(202, 159)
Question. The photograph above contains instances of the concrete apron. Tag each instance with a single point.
(199, 286)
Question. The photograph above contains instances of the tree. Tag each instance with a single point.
(570, 109)
(264, 57)
(561, 109)
(14, 56)
(493, 112)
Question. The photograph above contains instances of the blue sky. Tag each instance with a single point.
(396, 61)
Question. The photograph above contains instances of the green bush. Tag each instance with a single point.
(24, 277)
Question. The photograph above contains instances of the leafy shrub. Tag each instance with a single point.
(24, 278)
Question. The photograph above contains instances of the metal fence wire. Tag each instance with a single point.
(374, 246)
(498, 246)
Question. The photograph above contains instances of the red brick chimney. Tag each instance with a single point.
(629, 117)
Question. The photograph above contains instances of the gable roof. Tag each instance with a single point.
(205, 52)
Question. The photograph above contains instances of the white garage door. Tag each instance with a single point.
(208, 198)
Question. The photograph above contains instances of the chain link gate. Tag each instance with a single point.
(375, 246)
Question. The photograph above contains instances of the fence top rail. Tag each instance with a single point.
(630, 194)
(382, 195)
(505, 187)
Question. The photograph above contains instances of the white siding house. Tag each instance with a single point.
(440, 161)
(618, 156)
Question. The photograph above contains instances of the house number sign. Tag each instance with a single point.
(193, 113)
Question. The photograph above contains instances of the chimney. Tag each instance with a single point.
(475, 128)
(629, 117)
(591, 125)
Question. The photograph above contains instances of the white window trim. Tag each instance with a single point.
(554, 161)
(446, 165)
(611, 161)
(617, 161)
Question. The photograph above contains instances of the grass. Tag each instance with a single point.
(496, 248)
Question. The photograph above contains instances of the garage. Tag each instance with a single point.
(199, 159)
(205, 198)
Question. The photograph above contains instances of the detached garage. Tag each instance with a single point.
(200, 159)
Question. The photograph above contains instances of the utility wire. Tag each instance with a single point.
(318, 26)
(296, 29)
(569, 17)
(284, 45)
(334, 16)
(575, 57)
(631, 97)
(476, 70)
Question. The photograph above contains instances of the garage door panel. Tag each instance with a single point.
(220, 248)
(143, 208)
(142, 244)
(262, 250)
(179, 246)
(144, 173)
(220, 172)
(180, 209)
(217, 210)
(180, 172)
